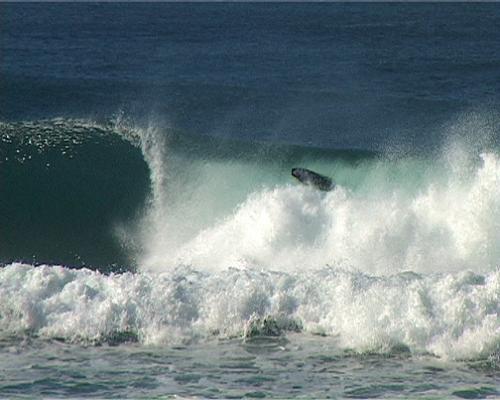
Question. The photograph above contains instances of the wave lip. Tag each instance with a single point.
(449, 315)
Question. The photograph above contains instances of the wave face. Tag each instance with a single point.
(217, 237)
(69, 185)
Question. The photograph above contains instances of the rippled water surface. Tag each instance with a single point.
(299, 366)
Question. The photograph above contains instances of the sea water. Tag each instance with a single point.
(154, 244)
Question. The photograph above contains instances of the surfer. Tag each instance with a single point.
(308, 177)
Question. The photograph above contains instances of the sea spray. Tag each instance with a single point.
(436, 214)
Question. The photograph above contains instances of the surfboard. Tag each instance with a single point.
(308, 177)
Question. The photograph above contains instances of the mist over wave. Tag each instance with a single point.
(437, 212)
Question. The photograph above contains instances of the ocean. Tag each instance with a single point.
(153, 243)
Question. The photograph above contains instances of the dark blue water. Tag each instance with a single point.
(336, 75)
(153, 242)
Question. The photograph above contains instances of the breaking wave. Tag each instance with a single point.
(218, 240)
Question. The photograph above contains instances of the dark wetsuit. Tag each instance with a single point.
(312, 178)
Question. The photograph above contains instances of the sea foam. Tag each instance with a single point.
(451, 315)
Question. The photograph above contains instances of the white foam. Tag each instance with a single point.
(447, 225)
(450, 315)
